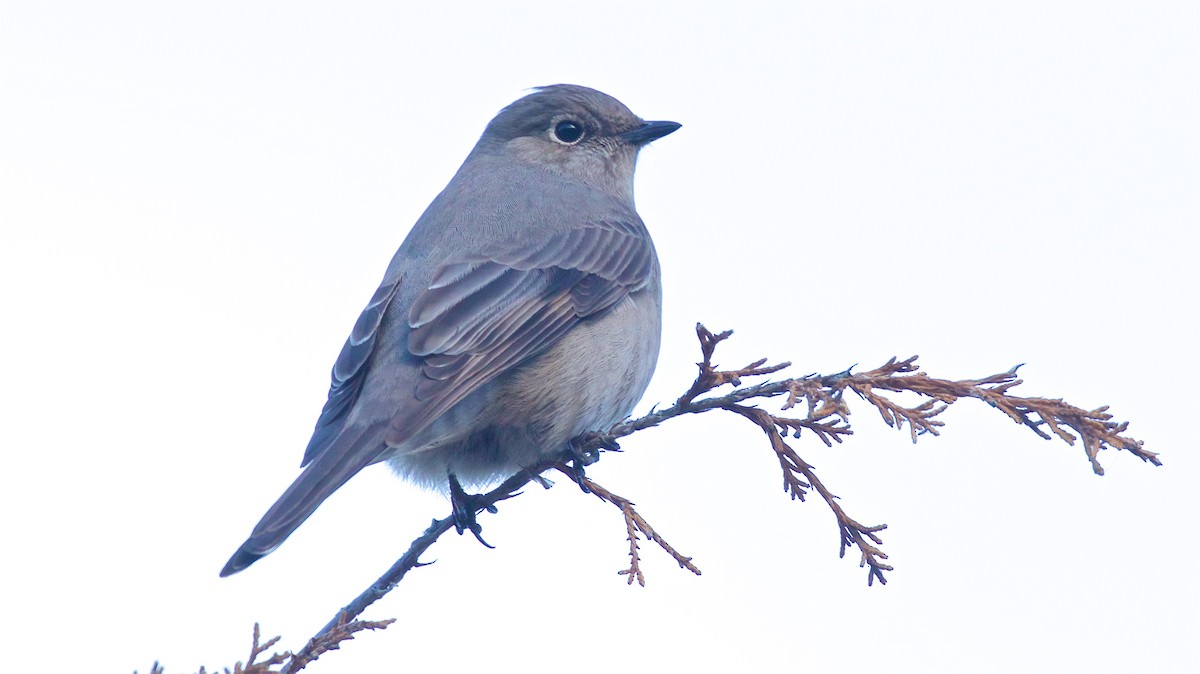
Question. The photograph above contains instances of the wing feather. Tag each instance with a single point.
(480, 318)
(445, 292)
(349, 370)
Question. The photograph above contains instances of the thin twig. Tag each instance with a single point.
(330, 639)
(634, 523)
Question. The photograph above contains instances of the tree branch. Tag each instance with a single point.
(826, 416)
(824, 412)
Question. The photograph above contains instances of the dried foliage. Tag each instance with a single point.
(823, 410)
(329, 639)
(826, 415)
(288, 663)
(634, 523)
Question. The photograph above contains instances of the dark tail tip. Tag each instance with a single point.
(239, 561)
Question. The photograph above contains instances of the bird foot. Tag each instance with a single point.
(585, 457)
(464, 507)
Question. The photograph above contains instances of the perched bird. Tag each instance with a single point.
(522, 310)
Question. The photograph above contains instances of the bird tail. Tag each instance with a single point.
(340, 461)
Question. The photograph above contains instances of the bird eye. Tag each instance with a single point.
(568, 132)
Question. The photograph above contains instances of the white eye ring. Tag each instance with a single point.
(567, 132)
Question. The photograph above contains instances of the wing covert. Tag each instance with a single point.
(481, 316)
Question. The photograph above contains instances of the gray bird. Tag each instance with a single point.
(522, 310)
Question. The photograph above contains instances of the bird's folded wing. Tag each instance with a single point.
(481, 316)
(349, 370)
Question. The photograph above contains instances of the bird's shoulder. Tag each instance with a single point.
(482, 213)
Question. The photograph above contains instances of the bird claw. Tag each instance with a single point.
(575, 470)
(587, 457)
(464, 507)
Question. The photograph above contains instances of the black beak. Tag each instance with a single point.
(649, 131)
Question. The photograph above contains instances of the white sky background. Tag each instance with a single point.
(198, 199)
